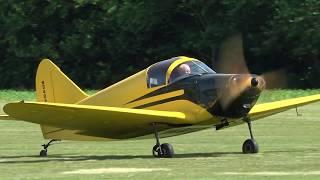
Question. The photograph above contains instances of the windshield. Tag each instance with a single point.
(189, 68)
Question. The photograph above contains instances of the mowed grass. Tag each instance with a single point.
(289, 149)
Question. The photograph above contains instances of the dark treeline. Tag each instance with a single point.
(98, 42)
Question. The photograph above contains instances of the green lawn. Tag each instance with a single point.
(289, 148)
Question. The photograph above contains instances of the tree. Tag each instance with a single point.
(100, 42)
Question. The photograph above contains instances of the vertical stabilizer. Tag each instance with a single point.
(52, 85)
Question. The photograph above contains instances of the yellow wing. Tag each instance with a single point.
(97, 121)
(268, 109)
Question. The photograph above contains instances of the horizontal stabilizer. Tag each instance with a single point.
(6, 117)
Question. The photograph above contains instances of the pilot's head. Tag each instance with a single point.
(184, 69)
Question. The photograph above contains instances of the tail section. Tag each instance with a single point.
(52, 85)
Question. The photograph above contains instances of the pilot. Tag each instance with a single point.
(180, 71)
(184, 69)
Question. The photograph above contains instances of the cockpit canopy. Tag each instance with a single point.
(171, 70)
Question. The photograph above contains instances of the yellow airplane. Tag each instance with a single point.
(169, 98)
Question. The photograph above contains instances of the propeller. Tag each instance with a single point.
(276, 79)
(231, 56)
(231, 60)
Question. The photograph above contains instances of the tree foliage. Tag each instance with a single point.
(99, 42)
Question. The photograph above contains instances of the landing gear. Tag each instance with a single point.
(44, 151)
(250, 145)
(161, 150)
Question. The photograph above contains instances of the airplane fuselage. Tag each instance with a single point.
(207, 99)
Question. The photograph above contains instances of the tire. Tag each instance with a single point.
(167, 150)
(155, 151)
(250, 146)
(43, 153)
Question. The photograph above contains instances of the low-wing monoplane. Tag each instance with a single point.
(169, 98)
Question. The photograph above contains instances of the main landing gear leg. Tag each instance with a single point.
(44, 151)
(161, 150)
(250, 145)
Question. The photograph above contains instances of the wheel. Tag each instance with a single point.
(250, 146)
(167, 150)
(156, 151)
(43, 153)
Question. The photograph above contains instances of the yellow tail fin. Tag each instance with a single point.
(52, 85)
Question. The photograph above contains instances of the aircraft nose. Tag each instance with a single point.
(257, 81)
(254, 82)
(235, 95)
(241, 94)
(242, 82)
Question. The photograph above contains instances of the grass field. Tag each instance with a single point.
(289, 149)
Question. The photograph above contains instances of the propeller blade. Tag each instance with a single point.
(231, 58)
(276, 79)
